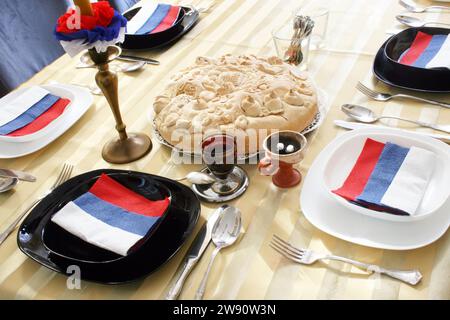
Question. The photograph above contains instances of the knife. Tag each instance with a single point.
(356, 125)
(9, 173)
(194, 253)
(136, 58)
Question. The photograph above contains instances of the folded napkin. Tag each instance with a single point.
(428, 51)
(388, 177)
(31, 111)
(356, 181)
(110, 216)
(153, 18)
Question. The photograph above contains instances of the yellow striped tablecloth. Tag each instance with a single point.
(250, 269)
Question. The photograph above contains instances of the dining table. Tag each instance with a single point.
(250, 269)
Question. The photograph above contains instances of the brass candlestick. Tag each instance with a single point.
(129, 146)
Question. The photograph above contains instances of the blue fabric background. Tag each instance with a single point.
(122, 5)
(27, 42)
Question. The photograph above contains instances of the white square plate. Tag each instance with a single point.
(324, 212)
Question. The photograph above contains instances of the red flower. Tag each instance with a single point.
(69, 22)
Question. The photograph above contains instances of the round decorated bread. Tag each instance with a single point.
(245, 95)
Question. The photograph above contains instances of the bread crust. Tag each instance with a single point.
(244, 95)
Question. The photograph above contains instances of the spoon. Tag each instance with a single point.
(129, 66)
(363, 114)
(7, 183)
(22, 176)
(225, 232)
(123, 67)
(414, 7)
(200, 9)
(416, 22)
(92, 88)
(198, 178)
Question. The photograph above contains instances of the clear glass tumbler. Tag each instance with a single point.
(282, 37)
(320, 17)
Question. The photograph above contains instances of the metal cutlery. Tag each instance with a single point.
(122, 67)
(366, 115)
(416, 22)
(198, 178)
(305, 256)
(7, 184)
(126, 57)
(414, 7)
(224, 234)
(95, 90)
(194, 253)
(379, 96)
(356, 125)
(22, 176)
(63, 176)
(201, 9)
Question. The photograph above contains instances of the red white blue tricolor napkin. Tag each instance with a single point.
(152, 18)
(110, 216)
(388, 177)
(31, 111)
(428, 51)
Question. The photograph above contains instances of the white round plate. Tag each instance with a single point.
(325, 213)
(58, 91)
(81, 100)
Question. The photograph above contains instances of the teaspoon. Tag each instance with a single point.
(224, 234)
(363, 114)
(416, 22)
(198, 178)
(92, 88)
(414, 7)
(123, 67)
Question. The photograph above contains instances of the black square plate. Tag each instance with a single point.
(53, 247)
(389, 71)
(186, 20)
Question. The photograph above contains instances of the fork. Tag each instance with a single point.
(379, 96)
(63, 176)
(305, 256)
(201, 9)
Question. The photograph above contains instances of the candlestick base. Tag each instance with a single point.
(127, 147)
(134, 147)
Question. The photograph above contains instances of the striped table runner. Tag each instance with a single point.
(250, 269)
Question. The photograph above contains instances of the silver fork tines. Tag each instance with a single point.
(63, 176)
(371, 93)
(305, 256)
(381, 96)
(286, 248)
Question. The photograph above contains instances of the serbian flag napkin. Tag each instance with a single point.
(388, 177)
(428, 51)
(31, 111)
(152, 18)
(110, 216)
